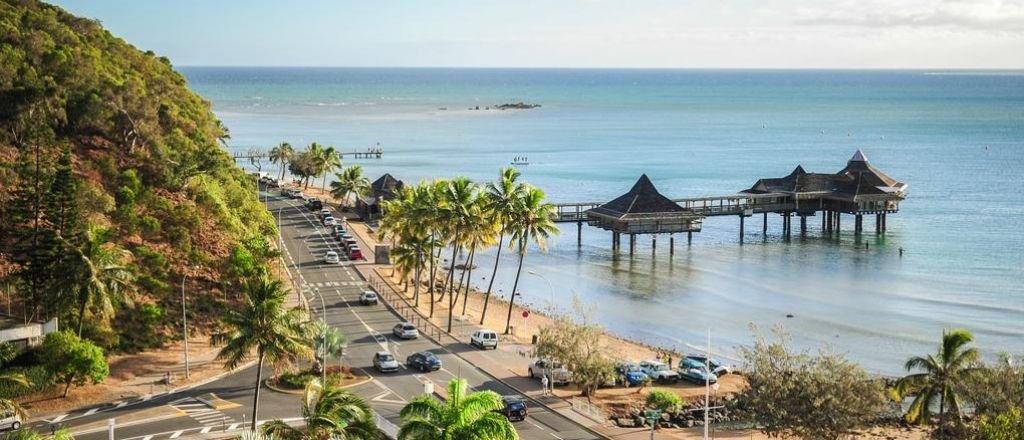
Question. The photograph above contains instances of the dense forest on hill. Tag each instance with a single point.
(114, 186)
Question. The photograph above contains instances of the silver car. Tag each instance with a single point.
(385, 362)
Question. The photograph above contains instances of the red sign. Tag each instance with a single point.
(526, 313)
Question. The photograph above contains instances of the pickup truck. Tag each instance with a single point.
(659, 372)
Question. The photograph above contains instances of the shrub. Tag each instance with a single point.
(1006, 426)
(666, 401)
(150, 226)
(38, 378)
(295, 380)
(71, 360)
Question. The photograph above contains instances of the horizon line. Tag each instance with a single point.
(924, 69)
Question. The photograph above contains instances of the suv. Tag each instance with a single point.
(368, 297)
(717, 367)
(404, 330)
(659, 372)
(355, 254)
(385, 362)
(514, 409)
(630, 374)
(484, 338)
(338, 230)
(696, 372)
(556, 373)
(424, 361)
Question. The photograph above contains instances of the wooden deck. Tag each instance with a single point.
(371, 153)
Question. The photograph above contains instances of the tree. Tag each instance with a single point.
(480, 232)
(664, 400)
(1006, 426)
(575, 341)
(328, 161)
(996, 389)
(457, 214)
(943, 376)
(349, 182)
(30, 434)
(503, 196)
(262, 324)
(328, 341)
(281, 154)
(462, 416)
(809, 396)
(100, 274)
(18, 380)
(531, 221)
(72, 360)
(330, 413)
(303, 166)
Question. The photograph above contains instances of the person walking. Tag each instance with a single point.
(544, 385)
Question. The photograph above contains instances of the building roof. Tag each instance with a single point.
(385, 187)
(643, 198)
(859, 177)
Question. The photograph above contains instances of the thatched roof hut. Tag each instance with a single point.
(643, 210)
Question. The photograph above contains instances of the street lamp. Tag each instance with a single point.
(323, 337)
(551, 288)
(184, 320)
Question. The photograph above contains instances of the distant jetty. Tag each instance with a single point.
(509, 106)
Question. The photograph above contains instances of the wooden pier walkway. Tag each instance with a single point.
(369, 153)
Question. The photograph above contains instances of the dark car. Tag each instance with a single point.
(423, 361)
(315, 204)
(515, 408)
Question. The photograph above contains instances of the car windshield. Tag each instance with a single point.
(386, 358)
(332, 254)
(408, 327)
(659, 367)
(634, 368)
(369, 294)
(429, 356)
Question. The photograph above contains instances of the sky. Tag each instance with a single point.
(854, 34)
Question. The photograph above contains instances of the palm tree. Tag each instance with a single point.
(942, 375)
(480, 233)
(457, 214)
(531, 221)
(330, 413)
(349, 182)
(329, 161)
(328, 341)
(462, 416)
(100, 273)
(31, 434)
(262, 323)
(503, 196)
(315, 154)
(16, 380)
(282, 154)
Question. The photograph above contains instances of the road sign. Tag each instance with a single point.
(652, 414)
(526, 314)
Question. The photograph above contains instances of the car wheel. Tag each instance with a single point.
(16, 426)
(423, 368)
(531, 373)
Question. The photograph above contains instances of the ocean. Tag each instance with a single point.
(955, 137)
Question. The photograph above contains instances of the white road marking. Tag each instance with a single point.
(534, 424)
(205, 430)
(555, 435)
(233, 426)
(176, 434)
(91, 412)
(148, 437)
(58, 418)
(121, 405)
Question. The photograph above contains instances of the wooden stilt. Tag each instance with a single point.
(671, 245)
(764, 227)
(632, 244)
(654, 244)
(803, 224)
(742, 220)
(579, 233)
(689, 238)
(839, 221)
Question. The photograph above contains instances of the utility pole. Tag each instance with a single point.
(707, 385)
(184, 320)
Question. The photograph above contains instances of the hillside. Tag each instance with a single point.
(114, 185)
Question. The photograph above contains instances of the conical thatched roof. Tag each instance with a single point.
(643, 198)
(858, 178)
(386, 186)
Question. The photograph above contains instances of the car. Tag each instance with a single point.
(355, 254)
(331, 257)
(385, 362)
(368, 297)
(329, 221)
(659, 372)
(424, 361)
(717, 367)
(696, 372)
(630, 374)
(298, 195)
(10, 420)
(514, 408)
(484, 338)
(349, 243)
(338, 230)
(556, 373)
(325, 213)
(314, 204)
(404, 330)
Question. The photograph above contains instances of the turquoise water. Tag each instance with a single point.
(957, 138)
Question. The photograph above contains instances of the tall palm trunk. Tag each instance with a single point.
(433, 275)
(281, 173)
(469, 279)
(490, 284)
(419, 268)
(942, 411)
(515, 285)
(259, 383)
(451, 284)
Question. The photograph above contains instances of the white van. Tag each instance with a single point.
(9, 420)
(484, 339)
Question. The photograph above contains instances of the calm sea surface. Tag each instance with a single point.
(957, 138)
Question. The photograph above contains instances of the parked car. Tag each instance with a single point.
(331, 257)
(717, 367)
(368, 297)
(314, 204)
(515, 408)
(630, 374)
(324, 213)
(355, 254)
(349, 243)
(696, 372)
(556, 373)
(338, 230)
(385, 362)
(329, 221)
(404, 330)
(10, 420)
(659, 372)
(484, 338)
(423, 361)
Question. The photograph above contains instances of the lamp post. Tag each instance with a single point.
(184, 320)
(551, 289)
(323, 337)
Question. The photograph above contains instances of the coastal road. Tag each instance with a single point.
(368, 329)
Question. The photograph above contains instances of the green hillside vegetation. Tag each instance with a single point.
(114, 186)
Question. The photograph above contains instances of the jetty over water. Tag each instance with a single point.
(368, 153)
(859, 189)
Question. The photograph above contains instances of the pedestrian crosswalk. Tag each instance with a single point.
(201, 412)
(326, 284)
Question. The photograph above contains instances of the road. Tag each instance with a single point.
(368, 329)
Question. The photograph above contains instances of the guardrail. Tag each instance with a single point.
(412, 315)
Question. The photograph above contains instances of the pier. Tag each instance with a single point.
(369, 153)
(857, 190)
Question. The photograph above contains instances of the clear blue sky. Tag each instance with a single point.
(573, 33)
